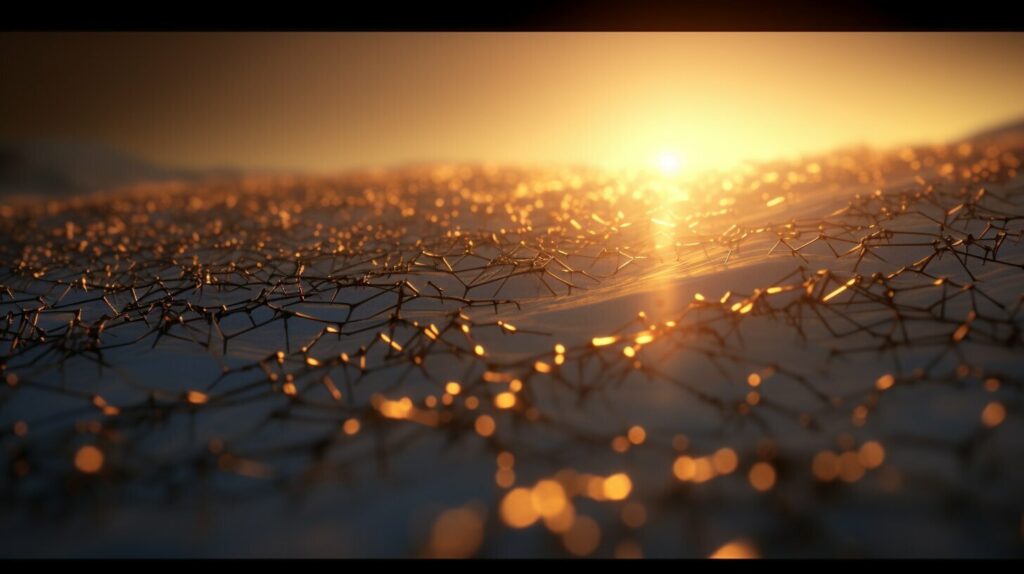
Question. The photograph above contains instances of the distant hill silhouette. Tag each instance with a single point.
(1009, 129)
(62, 168)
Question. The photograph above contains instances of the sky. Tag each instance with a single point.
(330, 101)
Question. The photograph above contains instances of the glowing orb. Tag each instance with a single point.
(669, 162)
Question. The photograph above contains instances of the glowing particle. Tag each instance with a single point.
(685, 468)
(584, 536)
(452, 388)
(634, 515)
(542, 367)
(89, 459)
(871, 454)
(548, 498)
(775, 201)
(400, 409)
(312, 362)
(559, 349)
(704, 470)
(289, 389)
(505, 477)
(993, 414)
(629, 352)
(495, 377)
(479, 350)
(484, 425)
(762, 476)
(505, 400)
(603, 341)
(644, 338)
(506, 459)
(351, 426)
(593, 486)
(628, 549)
(736, 549)
(850, 468)
(620, 444)
(725, 460)
(457, 533)
(636, 434)
(754, 379)
(562, 522)
(884, 382)
(825, 466)
(617, 486)
(196, 397)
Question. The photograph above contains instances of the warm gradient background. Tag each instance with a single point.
(328, 101)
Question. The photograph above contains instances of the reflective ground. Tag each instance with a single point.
(813, 358)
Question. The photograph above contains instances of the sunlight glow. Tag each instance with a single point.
(669, 162)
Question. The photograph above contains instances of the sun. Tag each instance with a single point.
(669, 162)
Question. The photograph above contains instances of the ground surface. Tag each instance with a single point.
(814, 358)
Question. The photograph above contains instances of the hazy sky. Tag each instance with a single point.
(324, 101)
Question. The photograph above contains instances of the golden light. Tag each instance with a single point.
(197, 398)
(457, 533)
(669, 162)
(634, 515)
(517, 508)
(548, 498)
(762, 476)
(505, 400)
(871, 454)
(583, 537)
(993, 414)
(636, 435)
(89, 459)
(484, 425)
(351, 426)
(617, 486)
(561, 523)
(850, 467)
(825, 466)
(736, 549)
(725, 460)
(628, 549)
(685, 468)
